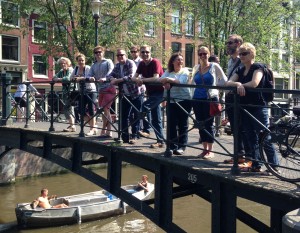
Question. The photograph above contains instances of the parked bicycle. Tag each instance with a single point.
(285, 138)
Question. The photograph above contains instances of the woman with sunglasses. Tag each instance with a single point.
(245, 78)
(208, 74)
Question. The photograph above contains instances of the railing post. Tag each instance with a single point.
(27, 105)
(6, 102)
(82, 107)
(51, 128)
(120, 106)
(168, 152)
(236, 109)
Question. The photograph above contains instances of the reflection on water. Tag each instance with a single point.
(191, 213)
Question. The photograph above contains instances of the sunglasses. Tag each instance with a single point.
(244, 54)
(120, 55)
(230, 42)
(202, 54)
(145, 52)
(97, 52)
(133, 51)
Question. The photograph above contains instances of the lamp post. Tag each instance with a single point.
(96, 4)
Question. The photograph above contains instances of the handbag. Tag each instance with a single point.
(215, 108)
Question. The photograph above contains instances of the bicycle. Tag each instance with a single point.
(284, 136)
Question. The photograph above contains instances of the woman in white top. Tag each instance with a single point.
(176, 73)
(80, 73)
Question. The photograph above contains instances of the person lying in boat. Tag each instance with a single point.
(43, 201)
(143, 183)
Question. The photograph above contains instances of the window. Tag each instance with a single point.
(150, 2)
(60, 34)
(149, 28)
(9, 13)
(10, 48)
(110, 55)
(189, 24)
(298, 31)
(132, 25)
(201, 28)
(189, 55)
(176, 47)
(281, 84)
(176, 22)
(39, 65)
(39, 31)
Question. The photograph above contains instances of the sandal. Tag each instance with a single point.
(204, 152)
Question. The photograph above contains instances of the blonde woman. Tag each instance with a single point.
(209, 74)
(64, 76)
(247, 77)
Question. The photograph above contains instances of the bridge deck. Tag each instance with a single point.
(211, 180)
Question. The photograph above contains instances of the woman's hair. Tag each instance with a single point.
(78, 55)
(67, 60)
(171, 60)
(248, 47)
(204, 48)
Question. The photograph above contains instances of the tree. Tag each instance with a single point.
(70, 24)
(257, 21)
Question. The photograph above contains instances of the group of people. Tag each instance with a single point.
(144, 74)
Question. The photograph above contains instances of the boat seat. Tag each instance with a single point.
(86, 200)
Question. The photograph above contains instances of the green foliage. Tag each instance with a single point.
(71, 26)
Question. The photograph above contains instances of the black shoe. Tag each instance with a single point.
(179, 151)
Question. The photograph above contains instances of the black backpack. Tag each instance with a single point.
(268, 82)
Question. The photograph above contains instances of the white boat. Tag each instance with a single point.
(81, 208)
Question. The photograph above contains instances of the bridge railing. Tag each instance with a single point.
(49, 107)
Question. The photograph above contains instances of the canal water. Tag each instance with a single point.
(191, 213)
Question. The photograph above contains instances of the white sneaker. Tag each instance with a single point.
(92, 132)
(209, 155)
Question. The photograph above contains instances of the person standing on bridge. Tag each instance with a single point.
(149, 71)
(233, 43)
(107, 92)
(131, 100)
(251, 76)
(63, 76)
(180, 99)
(209, 74)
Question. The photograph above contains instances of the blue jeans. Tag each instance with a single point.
(252, 130)
(153, 104)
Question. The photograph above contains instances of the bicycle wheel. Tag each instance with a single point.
(284, 139)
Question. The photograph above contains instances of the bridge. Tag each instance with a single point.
(175, 176)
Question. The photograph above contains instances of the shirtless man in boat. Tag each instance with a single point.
(143, 183)
(44, 201)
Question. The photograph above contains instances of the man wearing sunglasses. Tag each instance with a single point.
(232, 46)
(149, 71)
(132, 100)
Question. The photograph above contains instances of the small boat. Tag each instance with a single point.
(81, 208)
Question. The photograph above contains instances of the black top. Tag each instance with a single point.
(254, 98)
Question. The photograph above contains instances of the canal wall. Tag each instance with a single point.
(17, 164)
